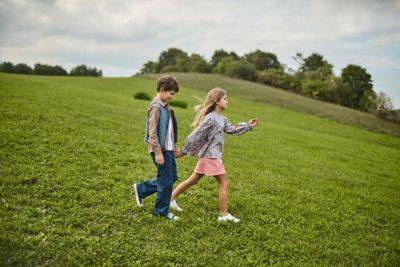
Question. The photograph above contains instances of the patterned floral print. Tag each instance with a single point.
(207, 139)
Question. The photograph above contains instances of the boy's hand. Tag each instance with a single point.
(253, 122)
(160, 159)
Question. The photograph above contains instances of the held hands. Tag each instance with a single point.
(253, 122)
(178, 153)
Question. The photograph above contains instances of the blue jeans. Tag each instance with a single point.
(162, 184)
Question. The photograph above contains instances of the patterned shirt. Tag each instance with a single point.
(207, 139)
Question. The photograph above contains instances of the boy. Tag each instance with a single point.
(161, 137)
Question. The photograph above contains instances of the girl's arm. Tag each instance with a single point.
(198, 135)
(238, 129)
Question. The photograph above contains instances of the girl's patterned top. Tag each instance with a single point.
(207, 139)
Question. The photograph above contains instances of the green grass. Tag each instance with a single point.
(288, 100)
(308, 190)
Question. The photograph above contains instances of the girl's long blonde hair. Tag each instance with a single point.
(213, 96)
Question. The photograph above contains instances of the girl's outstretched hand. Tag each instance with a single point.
(178, 153)
(253, 122)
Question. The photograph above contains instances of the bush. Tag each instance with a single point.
(22, 68)
(243, 70)
(142, 95)
(44, 69)
(150, 67)
(314, 88)
(263, 60)
(170, 68)
(236, 68)
(83, 70)
(7, 67)
(178, 103)
(279, 78)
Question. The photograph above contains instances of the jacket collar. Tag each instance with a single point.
(155, 99)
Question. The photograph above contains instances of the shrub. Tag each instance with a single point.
(7, 67)
(44, 69)
(142, 95)
(314, 88)
(83, 70)
(236, 68)
(22, 68)
(243, 70)
(178, 103)
(170, 68)
(278, 78)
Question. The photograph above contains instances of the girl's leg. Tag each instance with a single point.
(192, 180)
(223, 193)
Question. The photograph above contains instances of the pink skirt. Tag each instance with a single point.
(210, 167)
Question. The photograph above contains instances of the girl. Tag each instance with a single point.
(206, 143)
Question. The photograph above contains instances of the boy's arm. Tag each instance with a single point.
(154, 117)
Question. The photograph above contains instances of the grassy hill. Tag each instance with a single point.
(285, 99)
(308, 190)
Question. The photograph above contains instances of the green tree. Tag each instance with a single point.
(22, 68)
(368, 101)
(233, 55)
(358, 80)
(236, 68)
(278, 78)
(218, 56)
(7, 67)
(171, 57)
(384, 105)
(44, 69)
(263, 60)
(313, 62)
(83, 70)
(314, 88)
(170, 68)
(149, 67)
(198, 64)
(223, 65)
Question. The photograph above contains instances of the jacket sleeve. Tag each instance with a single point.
(238, 129)
(154, 117)
(198, 135)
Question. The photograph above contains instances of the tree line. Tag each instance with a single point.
(314, 76)
(44, 69)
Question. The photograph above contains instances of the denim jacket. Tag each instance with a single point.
(207, 139)
(158, 114)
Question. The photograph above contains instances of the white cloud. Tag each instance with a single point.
(119, 36)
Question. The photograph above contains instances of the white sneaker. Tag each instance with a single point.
(137, 198)
(172, 217)
(228, 218)
(174, 206)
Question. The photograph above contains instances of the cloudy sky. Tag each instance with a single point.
(119, 36)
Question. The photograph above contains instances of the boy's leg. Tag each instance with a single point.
(148, 187)
(165, 179)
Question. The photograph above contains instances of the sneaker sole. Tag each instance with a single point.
(140, 205)
(175, 209)
(228, 221)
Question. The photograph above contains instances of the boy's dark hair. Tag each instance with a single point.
(168, 83)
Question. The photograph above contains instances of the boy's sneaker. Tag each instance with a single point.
(172, 217)
(174, 206)
(137, 198)
(228, 218)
